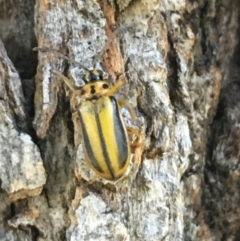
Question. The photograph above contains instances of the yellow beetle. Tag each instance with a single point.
(105, 140)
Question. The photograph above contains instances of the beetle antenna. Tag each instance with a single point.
(56, 52)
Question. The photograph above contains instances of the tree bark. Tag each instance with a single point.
(181, 77)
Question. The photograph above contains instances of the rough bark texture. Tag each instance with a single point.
(182, 79)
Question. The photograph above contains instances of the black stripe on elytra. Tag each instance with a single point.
(88, 146)
(104, 147)
(120, 134)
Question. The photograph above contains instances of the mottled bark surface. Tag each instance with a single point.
(181, 64)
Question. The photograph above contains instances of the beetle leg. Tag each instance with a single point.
(138, 142)
(137, 133)
(124, 103)
(114, 88)
(137, 146)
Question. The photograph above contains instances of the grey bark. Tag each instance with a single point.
(181, 77)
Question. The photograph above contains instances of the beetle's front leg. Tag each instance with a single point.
(114, 88)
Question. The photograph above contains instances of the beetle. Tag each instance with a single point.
(104, 134)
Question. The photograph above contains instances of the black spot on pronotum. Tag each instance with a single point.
(93, 91)
(105, 86)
